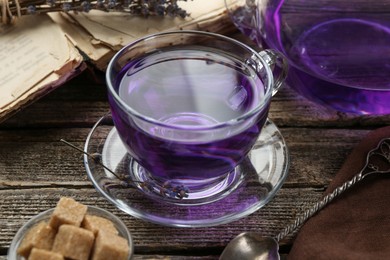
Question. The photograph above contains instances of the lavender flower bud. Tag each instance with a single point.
(51, 2)
(66, 7)
(31, 9)
(111, 4)
(100, 3)
(160, 10)
(86, 6)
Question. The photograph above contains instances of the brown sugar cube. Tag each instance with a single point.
(68, 211)
(73, 242)
(39, 254)
(40, 236)
(96, 223)
(110, 246)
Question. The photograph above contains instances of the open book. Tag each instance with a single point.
(41, 52)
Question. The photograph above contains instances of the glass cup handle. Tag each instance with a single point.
(279, 66)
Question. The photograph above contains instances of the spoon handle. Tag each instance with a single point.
(377, 161)
(319, 205)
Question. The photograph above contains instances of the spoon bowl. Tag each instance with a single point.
(251, 246)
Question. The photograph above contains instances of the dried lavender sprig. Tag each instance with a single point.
(94, 157)
(167, 190)
(144, 8)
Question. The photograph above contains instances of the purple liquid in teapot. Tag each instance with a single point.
(339, 50)
(188, 89)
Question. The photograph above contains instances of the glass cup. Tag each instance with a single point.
(189, 106)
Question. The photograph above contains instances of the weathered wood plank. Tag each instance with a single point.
(58, 114)
(36, 158)
(163, 257)
(287, 109)
(174, 257)
(284, 114)
(290, 109)
(36, 169)
(20, 205)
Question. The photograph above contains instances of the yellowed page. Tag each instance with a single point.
(118, 29)
(32, 51)
(95, 50)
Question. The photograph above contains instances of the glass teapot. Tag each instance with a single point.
(339, 50)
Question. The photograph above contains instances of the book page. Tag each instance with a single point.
(32, 50)
(116, 29)
(96, 52)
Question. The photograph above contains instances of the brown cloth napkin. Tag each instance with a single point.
(357, 224)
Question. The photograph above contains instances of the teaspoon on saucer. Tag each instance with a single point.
(251, 245)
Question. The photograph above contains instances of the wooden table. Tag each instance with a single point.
(36, 169)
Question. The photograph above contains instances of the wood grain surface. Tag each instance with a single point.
(36, 169)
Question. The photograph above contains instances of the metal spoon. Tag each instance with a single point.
(250, 245)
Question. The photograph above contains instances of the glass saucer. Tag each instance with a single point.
(263, 173)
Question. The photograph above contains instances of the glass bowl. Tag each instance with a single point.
(45, 216)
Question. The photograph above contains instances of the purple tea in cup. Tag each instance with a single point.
(189, 106)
